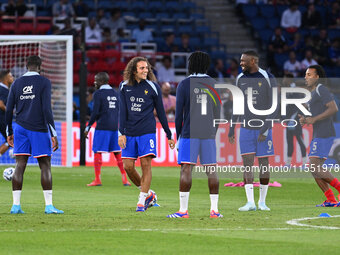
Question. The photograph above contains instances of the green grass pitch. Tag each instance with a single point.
(102, 220)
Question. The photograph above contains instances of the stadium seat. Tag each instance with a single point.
(138, 6)
(43, 25)
(280, 59)
(185, 29)
(267, 10)
(258, 23)
(75, 78)
(111, 55)
(196, 16)
(145, 15)
(250, 11)
(179, 15)
(26, 25)
(162, 15)
(218, 54)
(173, 6)
(265, 35)
(280, 9)
(209, 42)
(105, 4)
(194, 42)
(94, 54)
(333, 33)
(156, 6)
(273, 22)
(122, 5)
(8, 24)
(90, 79)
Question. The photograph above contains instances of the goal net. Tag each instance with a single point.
(57, 65)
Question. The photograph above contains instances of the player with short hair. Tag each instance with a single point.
(30, 95)
(322, 107)
(139, 96)
(196, 132)
(255, 140)
(6, 80)
(105, 113)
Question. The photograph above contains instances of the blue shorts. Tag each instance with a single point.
(140, 146)
(27, 142)
(190, 148)
(250, 145)
(105, 141)
(320, 147)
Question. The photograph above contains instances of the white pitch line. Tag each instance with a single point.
(296, 222)
(165, 230)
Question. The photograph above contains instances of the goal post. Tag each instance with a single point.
(56, 52)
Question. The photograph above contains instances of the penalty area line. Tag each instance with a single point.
(297, 222)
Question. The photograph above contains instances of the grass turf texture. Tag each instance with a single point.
(103, 220)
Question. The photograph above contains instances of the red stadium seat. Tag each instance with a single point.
(94, 55)
(43, 25)
(112, 55)
(8, 24)
(26, 25)
(90, 79)
(75, 78)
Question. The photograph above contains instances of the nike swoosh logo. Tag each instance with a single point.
(243, 83)
(128, 90)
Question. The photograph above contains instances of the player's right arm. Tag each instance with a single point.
(9, 114)
(2, 106)
(180, 99)
(122, 118)
(94, 114)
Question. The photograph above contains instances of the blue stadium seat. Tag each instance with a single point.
(162, 15)
(258, 23)
(211, 42)
(122, 5)
(280, 59)
(179, 15)
(267, 11)
(185, 29)
(218, 54)
(333, 33)
(145, 15)
(173, 6)
(45, 13)
(273, 22)
(196, 16)
(250, 10)
(138, 6)
(280, 9)
(194, 42)
(202, 29)
(105, 4)
(155, 6)
(265, 35)
(188, 6)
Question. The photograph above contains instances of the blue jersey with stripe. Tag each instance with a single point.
(317, 105)
(105, 109)
(3, 97)
(137, 103)
(190, 120)
(30, 95)
(261, 83)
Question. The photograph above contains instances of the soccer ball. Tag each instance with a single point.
(8, 173)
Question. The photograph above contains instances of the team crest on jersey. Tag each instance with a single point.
(146, 92)
(27, 89)
(260, 84)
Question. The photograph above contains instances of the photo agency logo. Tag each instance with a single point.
(241, 100)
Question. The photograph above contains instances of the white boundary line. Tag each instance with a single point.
(165, 230)
(296, 222)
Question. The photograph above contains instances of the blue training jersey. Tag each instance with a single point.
(317, 105)
(3, 97)
(137, 103)
(105, 109)
(261, 83)
(30, 95)
(190, 121)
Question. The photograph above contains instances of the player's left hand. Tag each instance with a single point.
(55, 144)
(122, 141)
(10, 140)
(309, 120)
(262, 138)
(171, 144)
